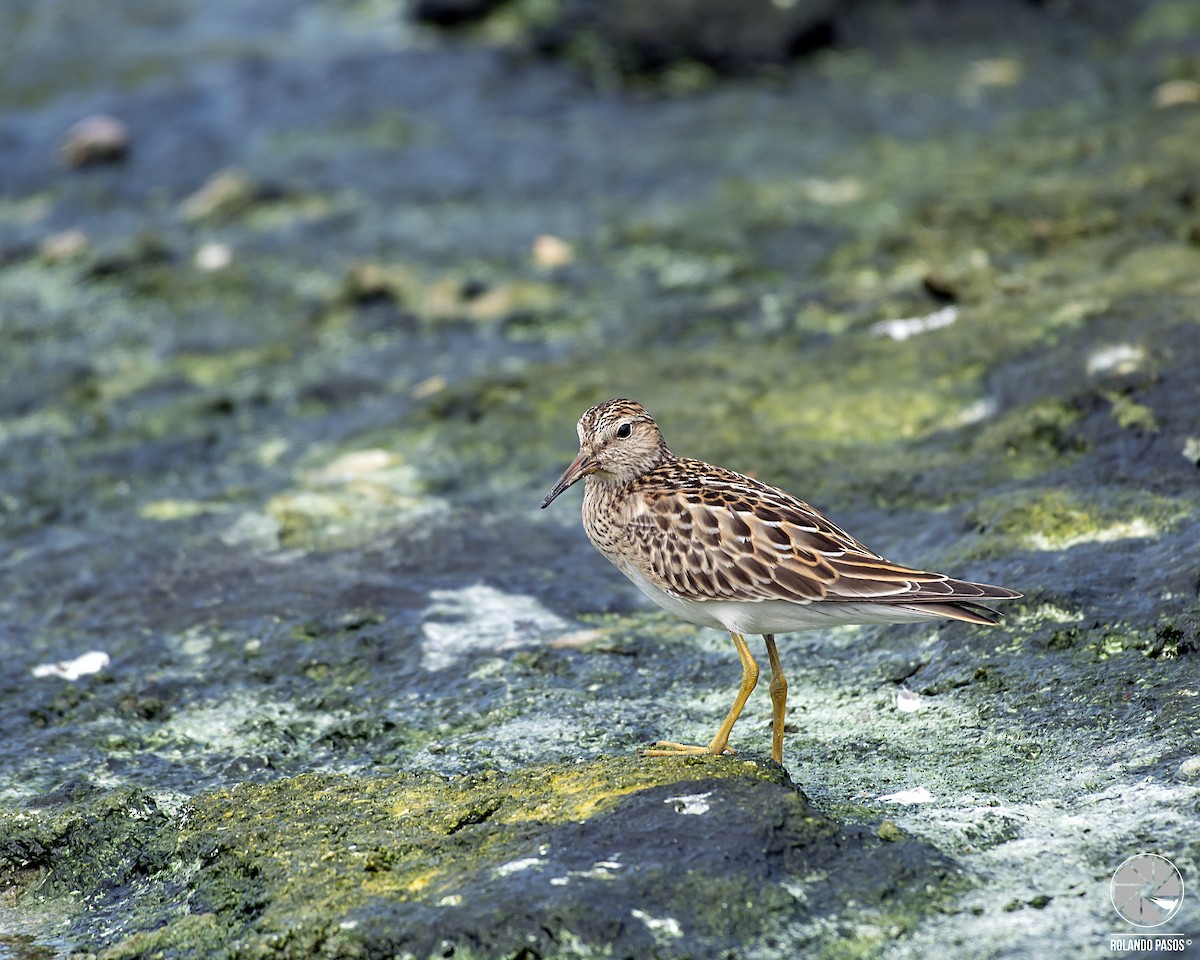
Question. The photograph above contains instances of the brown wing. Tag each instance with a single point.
(704, 533)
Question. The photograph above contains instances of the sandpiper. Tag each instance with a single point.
(720, 549)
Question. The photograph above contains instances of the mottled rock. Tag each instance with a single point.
(357, 681)
(95, 140)
(226, 194)
(453, 13)
(640, 38)
(64, 245)
(705, 855)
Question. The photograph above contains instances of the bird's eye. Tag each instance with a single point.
(624, 430)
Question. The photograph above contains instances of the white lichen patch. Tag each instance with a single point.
(906, 327)
(692, 804)
(81, 666)
(171, 509)
(833, 193)
(991, 72)
(661, 928)
(372, 465)
(253, 531)
(271, 451)
(353, 499)
(212, 256)
(600, 870)
(1117, 359)
(1049, 613)
(1191, 449)
(236, 727)
(913, 795)
(1132, 529)
(482, 619)
(975, 412)
(519, 866)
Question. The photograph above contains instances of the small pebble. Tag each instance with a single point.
(64, 245)
(550, 251)
(95, 140)
(369, 281)
(213, 256)
(1176, 93)
(1191, 449)
(428, 387)
(995, 72)
(1189, 769)
(225, 194)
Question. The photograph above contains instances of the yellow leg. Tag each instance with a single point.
(778, 699)
(720, 743)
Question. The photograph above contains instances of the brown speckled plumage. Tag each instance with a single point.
(722, 549)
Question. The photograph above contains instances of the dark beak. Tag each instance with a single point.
(580, 467)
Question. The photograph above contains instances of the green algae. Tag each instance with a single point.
(1131, 415)
(767, 412)
(812, 407)
(1054, 518)
(765, 403)
(1165, 21)
(1035, 438)
(354, 498)
(304, 864)
(482, 293)
(96, 841)
(741, 313)
(1165, 640)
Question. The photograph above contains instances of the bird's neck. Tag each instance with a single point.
(602, 486)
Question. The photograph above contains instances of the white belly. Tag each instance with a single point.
(770, 616)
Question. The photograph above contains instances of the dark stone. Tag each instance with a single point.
(453, 13)
(711, 857)
(643, 38)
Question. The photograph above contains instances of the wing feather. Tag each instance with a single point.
(704, 533)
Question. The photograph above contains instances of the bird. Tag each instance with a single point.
(721, 549)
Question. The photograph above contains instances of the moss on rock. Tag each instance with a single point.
(418, 864)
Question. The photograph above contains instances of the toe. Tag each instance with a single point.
(669, 748)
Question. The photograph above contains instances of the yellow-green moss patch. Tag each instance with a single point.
(1056, 519)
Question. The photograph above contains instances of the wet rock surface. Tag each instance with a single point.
(294, 663)
(542, 861)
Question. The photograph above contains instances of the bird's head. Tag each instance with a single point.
(618, 442)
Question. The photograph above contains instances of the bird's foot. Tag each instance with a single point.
(668, 748)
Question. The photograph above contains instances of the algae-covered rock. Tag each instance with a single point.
(631, 38)
(615, 856)
(294, 664)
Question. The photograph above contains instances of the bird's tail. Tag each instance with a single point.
(955, 610)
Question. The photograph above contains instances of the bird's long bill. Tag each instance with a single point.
(580, 467)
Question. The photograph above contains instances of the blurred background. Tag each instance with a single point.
(300, 303)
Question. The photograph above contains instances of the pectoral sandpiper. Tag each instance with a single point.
(720, 549)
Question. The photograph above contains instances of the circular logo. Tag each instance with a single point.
(1147, 890)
